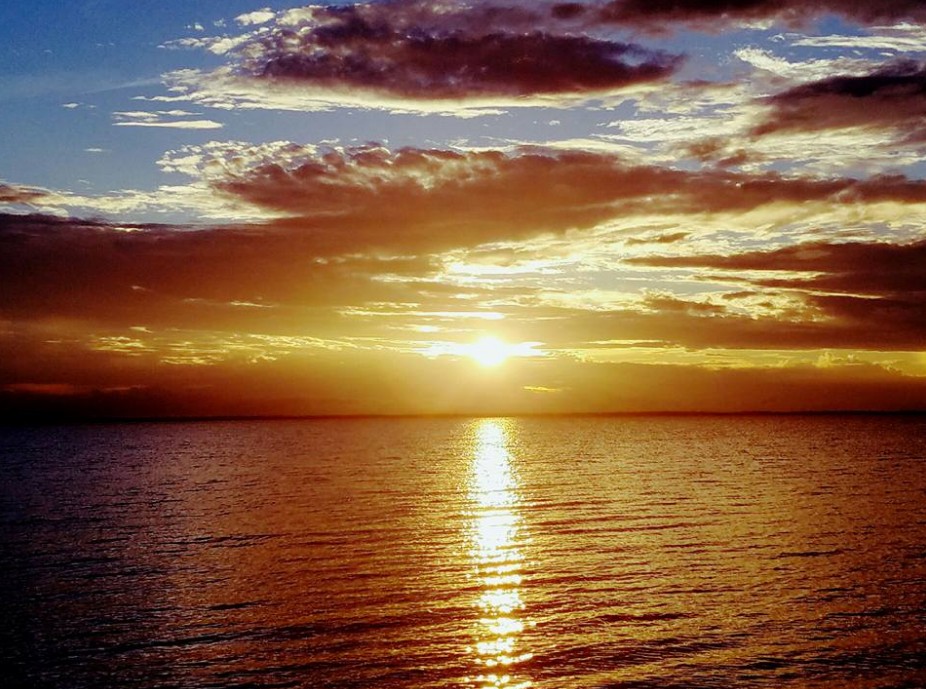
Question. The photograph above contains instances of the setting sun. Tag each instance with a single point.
(489, 351)
(490, 344)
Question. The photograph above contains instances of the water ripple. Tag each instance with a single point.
(576, 553)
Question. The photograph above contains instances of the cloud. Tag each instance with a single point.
(901, 38)
(409, 200)
(165, 276)
(17, 194)
(348, 228)
(421, 56)
(664, 238)
(394, 201)
(892, 97)
(455, 66)
(716, 122)
(180, 124)
(93, 305)
(163, 118)
(872, 268)
(329, 382)
(715, 14)
(802, 70)
(256, 17)
(372, 198)
(871, 292)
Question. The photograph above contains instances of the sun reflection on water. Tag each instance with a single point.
(497, 562)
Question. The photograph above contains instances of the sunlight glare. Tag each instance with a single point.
(496, 557)
(489, 351)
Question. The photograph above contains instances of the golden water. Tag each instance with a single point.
(704, 552)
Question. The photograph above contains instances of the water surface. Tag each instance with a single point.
(555, 553)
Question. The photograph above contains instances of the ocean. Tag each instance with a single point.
(557, 553)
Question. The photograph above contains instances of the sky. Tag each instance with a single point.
(498, 207)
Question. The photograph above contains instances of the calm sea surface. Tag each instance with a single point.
(375, 553)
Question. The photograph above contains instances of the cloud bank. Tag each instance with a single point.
(368, 225)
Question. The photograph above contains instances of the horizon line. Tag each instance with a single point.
(64, 420)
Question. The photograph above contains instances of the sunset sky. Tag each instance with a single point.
(224, 208)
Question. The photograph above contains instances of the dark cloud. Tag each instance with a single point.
(54, 268)
(70, 289)
(16, 194)
(419, 51)
(672, 321)
(414, 200)
(872, 293)
(356, 215)
(714, 14)
(568, 10)
(371, 198)
(715, 150)
(874, 268)
(904, 314)
(667, 303)
(893, 96)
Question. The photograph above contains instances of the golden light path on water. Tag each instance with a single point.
(497, 562)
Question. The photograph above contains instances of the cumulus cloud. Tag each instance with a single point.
(423, 55)
(256, 17)
(371, 197)
(412, 200)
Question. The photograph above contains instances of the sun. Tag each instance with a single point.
(489, 351)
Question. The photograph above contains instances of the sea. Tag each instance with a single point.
(643, 552)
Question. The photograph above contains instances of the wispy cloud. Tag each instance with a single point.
(163, 118)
